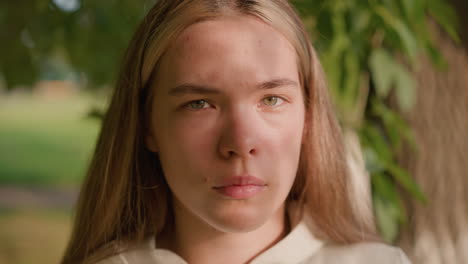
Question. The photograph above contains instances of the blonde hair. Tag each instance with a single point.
(125, 198)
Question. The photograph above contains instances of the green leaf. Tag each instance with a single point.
(389, 208)
(374, 138)
(405, 88)
(396, 128)
(436, 57)
(409, 7)
(373, 164)
(334, 74)
(386, 215)
(359, 20)
(408, 41)
(387, 72)
(446, 16)
(406, 181)
(351, 80)
(306, 7)
(381, 64)
(414, 11)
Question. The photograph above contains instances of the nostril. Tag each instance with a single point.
(232, 153)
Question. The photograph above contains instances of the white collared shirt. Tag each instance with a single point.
(300, 246)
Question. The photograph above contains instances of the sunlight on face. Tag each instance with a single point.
(228, 103)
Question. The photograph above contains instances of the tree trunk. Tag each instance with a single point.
(437, 233)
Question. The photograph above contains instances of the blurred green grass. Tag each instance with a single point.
(45, 142)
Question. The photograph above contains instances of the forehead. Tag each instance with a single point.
(235, 49)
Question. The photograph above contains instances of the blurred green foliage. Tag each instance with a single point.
(91, 35)
(369, 50)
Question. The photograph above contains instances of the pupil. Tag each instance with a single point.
(198, 104)
(272, 100)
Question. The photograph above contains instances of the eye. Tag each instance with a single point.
(272, 100)
(197, 104)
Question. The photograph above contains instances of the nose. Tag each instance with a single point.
(239, 135)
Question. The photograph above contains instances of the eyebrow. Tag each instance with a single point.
(188, 88)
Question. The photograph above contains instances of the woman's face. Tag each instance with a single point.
(227, 121)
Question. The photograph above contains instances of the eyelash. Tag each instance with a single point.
(187, 105)
(277, 97)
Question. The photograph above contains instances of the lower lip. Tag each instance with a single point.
(240, 191)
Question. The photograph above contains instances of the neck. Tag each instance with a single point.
(197, 242)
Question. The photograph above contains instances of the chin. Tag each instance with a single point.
(237, 220)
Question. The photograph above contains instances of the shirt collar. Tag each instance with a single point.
(295, 247)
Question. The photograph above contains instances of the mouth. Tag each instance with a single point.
(240, 187)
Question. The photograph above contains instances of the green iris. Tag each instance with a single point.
(271, 101)
(198, 104)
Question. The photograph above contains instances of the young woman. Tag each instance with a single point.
(220, 146)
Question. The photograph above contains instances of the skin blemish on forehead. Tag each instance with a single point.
(256, 55)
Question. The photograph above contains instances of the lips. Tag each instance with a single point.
(240, 187)
(240, 180)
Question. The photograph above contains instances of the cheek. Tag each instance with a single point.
(186, 141)
(195, 135)
(289, 132)
(287, 147)
(180, 131)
